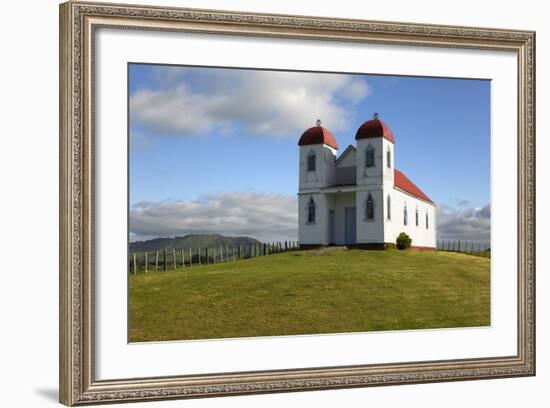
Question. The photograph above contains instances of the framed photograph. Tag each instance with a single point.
(255, 203)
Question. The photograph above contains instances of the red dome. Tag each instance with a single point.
(374, 128)
(318, 135)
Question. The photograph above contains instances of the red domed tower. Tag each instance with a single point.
(375, 149)
(318, 150)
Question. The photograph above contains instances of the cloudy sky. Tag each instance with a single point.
(215, 150)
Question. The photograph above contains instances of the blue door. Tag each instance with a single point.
(351, 221)
(331, 227)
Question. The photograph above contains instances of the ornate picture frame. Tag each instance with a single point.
(79, 22)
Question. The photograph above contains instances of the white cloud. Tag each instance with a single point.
(465, 224)
(264, 103)
(265, 216)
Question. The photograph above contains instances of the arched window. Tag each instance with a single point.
(388, 204)
(369, 156)
(405, 216)
(427, 225)
(311, 161)
(416, 217)
(369, 210)
(388, 157)
(311, 211)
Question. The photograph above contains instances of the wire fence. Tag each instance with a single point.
(465, 247)
(174, 258)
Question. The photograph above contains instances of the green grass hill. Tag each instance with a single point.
(331, 290)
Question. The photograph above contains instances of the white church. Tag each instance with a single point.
(359, 198)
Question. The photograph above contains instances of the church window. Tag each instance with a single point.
(416, 217)
(388, 158)
(311, 162)
(311, 211)
(370, 208)
(427, 225)
(388, 203)
(405, 216)
(369, 156)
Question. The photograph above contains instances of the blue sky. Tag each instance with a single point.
(203, 138)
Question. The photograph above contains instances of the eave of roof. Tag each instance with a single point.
(344, 153)
(403, 183)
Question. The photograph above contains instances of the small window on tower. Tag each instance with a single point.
(389, 207)
(427, 224)
(416, 217)
(405, 216)
(388, 158)
(311, 162)
(311, 211)
(369, 156)
(370, 208)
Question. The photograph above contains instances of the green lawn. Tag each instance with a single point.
(306, 292)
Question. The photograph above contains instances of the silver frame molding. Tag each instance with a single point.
(78, 22)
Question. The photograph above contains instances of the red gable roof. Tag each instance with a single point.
(318, 135)
(374, 128)
(402, 182)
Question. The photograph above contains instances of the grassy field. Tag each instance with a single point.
(303, 292)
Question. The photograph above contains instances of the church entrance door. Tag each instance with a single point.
(350, 223)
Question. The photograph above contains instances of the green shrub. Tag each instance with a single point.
(403, 241)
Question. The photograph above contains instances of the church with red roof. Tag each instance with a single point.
(358, 198)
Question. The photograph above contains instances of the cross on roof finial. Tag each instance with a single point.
(376, 115)
(318, 122)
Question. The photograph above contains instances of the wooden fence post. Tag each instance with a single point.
(145, 261)
(206, 254)
(135, 264)
(157, 261)
(190, 257)
(164, 260)
(183, 258)
(174, 253)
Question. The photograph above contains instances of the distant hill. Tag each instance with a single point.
(190, 241)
